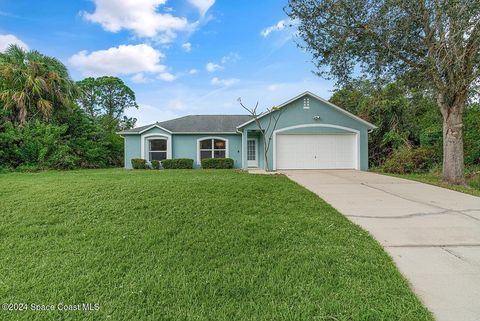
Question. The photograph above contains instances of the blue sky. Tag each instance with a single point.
(180, 57)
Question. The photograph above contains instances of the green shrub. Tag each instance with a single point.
(155, 164)
(217, 163)
(70, 139)
(178, 163)
(472, 135)
(25, 168)
(472, 174)
(35, 143)
(138, 163)
(407, 159)
(4, 169)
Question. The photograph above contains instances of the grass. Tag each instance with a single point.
(472, 177)
(189, 245)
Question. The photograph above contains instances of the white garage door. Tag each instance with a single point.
(316, 151)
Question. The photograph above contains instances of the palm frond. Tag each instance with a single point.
(32, 83)
(44, 106)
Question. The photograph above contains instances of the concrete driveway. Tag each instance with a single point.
(433, 234)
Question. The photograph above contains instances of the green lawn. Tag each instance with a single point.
(472, 177)
(189, 245)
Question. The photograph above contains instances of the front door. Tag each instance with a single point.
(252, 152)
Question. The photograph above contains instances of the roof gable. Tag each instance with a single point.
(307, 93)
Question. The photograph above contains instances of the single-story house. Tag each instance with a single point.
(311, 133)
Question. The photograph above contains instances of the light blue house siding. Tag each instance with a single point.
(182, 145)
(132, 149)
(319, 118)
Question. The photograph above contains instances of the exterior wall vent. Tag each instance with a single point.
(306, 103)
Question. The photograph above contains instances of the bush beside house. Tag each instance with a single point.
(155, 164)
(178, 163)
(138, 163)
(217, 163)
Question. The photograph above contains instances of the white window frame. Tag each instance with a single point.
(144, 146)
(213, 149)
(148, 140)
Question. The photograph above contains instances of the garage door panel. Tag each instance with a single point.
(332, 151)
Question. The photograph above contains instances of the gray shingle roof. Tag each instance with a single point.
(137, 129)
(198, 124)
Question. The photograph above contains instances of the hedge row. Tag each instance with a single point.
(178, 163)
(217, 163)
(183, 163)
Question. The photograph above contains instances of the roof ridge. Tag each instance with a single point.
(159, 122)
(223, 115)
(203, 115)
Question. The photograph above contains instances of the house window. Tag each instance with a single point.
(157, 149)
(213, 148)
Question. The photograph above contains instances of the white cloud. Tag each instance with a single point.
(165, 37)
(166, 76)
(282, 24)
(140, 16)
(231, 57)
(121, 60)
(187, 46)
(193, 71)
(202, 5)
(7, 40)
(139, 78)
(224, 82)
(212, 67)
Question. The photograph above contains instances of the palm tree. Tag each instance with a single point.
(32, 84)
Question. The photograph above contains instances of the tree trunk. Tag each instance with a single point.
(453, 159)
(266, 166)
